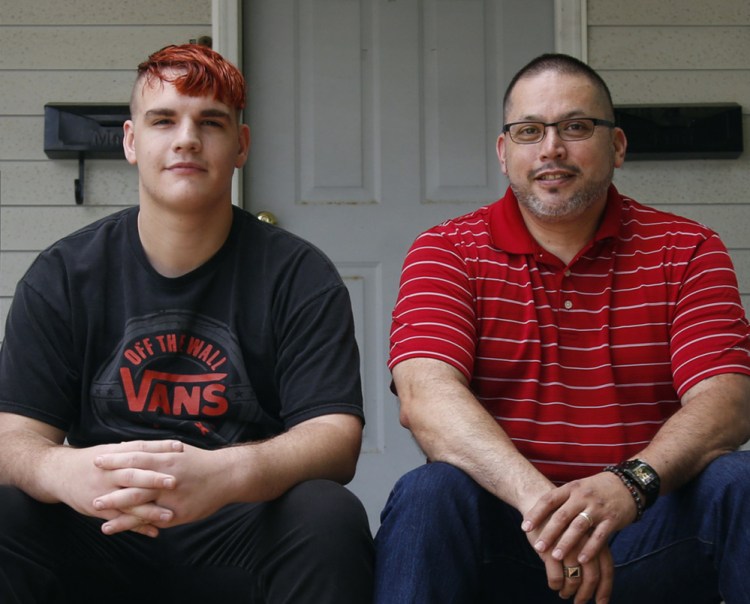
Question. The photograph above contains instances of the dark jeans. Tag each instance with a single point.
(445, 539)
(311, 545)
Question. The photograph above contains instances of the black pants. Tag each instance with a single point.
(311, 545)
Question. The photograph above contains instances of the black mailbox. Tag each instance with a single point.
(682, 131)
(81, 131)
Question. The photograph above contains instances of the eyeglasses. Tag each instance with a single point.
(577, 129)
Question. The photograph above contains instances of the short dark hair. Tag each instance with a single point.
(560, 63)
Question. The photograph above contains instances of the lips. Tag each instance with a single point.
(186, 167)
(554, 174)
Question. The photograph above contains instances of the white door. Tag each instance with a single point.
(372, 120)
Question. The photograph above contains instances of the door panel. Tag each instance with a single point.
(372, 120)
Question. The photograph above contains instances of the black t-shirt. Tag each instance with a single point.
(254, 341)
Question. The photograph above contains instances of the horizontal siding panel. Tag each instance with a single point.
(668, 12)
(26, 92)
(729, 221)
(104, 12)
(741, 259)
(4, 305)
(13, 265)
(663, 86)
(36, 183)
(88, 47)
(25, 229)
(689, 181)
(668, 47)
(22, 138)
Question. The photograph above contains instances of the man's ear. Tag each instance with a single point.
(128, 141)
(620, 143)
(500, 148)
(244, 149)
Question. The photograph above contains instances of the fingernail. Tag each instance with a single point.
(526, 526)
(168, 483)
(165, 517)
(106, 529)
(557, 554)
(98, 505)
(539, 546)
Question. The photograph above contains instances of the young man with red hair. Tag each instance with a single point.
(180, 401)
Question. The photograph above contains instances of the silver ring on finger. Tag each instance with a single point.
(588, 519)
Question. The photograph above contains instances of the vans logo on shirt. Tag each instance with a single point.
(175, 394)
(175, 374)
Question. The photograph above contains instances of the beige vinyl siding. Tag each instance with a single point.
(76, 51)
(678, 51)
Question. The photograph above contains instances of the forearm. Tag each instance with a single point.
(714, 419)
(326, 447)
(452, 426)
(29, 451)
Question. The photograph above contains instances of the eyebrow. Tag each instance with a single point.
(570, 115)
(166, 112)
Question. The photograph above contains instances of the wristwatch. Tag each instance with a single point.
(644, 477)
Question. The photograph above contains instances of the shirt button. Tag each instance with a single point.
(567, 273)
(568, 304)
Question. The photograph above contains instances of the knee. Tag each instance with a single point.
(17, 512)
(441, 488)
(728, 475)
(326, 512)
(436, 481)
(28, 529)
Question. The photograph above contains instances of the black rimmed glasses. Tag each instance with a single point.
(575, 129)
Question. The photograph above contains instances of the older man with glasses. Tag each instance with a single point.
(575, 366)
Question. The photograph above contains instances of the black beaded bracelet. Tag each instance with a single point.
(639, 507)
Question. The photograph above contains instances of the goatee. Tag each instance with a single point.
(573, 206)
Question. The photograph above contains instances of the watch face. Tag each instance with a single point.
(643, 475)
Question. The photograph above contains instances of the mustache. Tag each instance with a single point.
(553, 167)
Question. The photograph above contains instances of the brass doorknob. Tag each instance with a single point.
(266, 216)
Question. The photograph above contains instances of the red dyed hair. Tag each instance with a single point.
(199, 71)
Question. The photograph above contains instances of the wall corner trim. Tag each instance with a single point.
(571, 28)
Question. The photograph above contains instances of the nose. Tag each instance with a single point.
(187, 137)
(552, 145)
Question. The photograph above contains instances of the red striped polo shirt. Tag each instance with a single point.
(579, 364)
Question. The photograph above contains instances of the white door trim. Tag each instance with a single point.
(226, 31)
(226, 34)
(571, 28)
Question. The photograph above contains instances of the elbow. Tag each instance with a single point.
(349, 457)
(404, 417)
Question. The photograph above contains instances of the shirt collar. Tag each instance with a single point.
(509, 231)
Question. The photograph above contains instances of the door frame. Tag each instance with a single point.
(571, 34)
(226, 32)
(226, 37)
(570, 28)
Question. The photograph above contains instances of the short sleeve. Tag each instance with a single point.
(37, 376)
(318, 367)
(709, 334)
(434, 316)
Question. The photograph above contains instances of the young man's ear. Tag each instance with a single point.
(128, 141)
(244, 146)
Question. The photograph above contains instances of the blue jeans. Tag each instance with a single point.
(445, 539)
